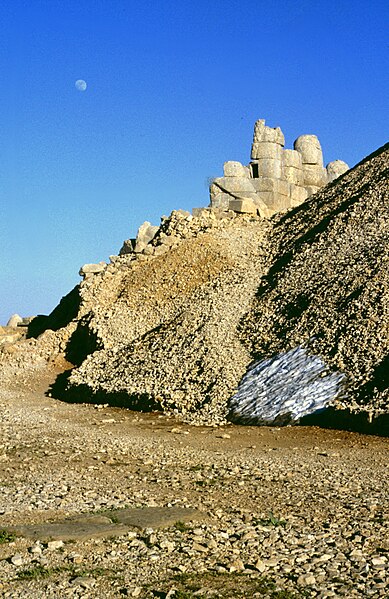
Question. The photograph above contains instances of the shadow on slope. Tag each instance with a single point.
(65, 312)
(62, 391)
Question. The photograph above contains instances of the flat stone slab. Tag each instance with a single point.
(155, 517)
(108, 524)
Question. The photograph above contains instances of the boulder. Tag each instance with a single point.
(293, 175)
(297, 195)
(310, 149)
(268, 184)
(234, 169)
(127, 247)
(92, 269)
(268, 134)
(14, 321)
(336, 168)
(243, 205)
(220, 200)
(285, 388)
(233, 184)
(146, 233)
(314, 175)
(311, 189)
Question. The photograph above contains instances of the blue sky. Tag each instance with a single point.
(173, 91)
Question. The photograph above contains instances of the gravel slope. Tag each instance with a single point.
(328, 285)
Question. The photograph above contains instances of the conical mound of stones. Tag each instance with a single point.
(327, 288)
(220, 309)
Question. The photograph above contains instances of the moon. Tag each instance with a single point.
(80, 85)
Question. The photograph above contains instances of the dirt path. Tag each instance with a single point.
(298, 510)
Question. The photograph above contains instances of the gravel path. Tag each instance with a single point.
(298, 511)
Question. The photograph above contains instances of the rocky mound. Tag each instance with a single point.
(179, 318)
(165, 326)
(328, 285)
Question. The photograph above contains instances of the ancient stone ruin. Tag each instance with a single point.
(276, 178)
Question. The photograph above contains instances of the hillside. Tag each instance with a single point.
(177, 323)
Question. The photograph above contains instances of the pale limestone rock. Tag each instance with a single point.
(336, 168)
(266, 149)
(293, 175)
(268, 184)
(314, 175)
(220, 200)
(243, 205)
(14, 321)
(275, 201)
(233, 168)
(310, 149)
(263, 210)
(233, 184)
(259, 128)
(127, 247)
(146, 233)
(92, 269)
(264, 133)
(276, 179)
(298, 195)
(200, 212)
(311, 189)
(267, 167)
(292, 158)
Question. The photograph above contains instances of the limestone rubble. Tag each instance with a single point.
(175, 320)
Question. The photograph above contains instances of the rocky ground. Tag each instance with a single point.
(284, 513)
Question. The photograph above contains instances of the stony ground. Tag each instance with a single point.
(293, 512)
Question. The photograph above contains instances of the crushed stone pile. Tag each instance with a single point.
(178, 319)
(328, 284)
(165, 325)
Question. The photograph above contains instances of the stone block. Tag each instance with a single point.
(268, 134)
(259, 127)
(293, 175)
(336, 168)
(314, 175)
(292, 158)
(146, 233)
(92, 269)
(199, 212)
(14, 321)
(262, 209)
(234, 184)
(311, 189)
(243, 205)
(298, 195)
(269, 167)
(310, 149)
(220, 201)
(268, 184)
(127, 247)
(276, 202)
(234, 169)
(266, 149)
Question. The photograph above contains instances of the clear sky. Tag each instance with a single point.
(173, 90)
